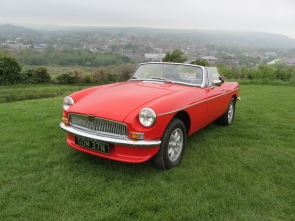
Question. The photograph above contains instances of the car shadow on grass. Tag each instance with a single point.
(197, 144)
(81, 159)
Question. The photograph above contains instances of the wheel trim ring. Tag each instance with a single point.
(230, 112)
(175, 144)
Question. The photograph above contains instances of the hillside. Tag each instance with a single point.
(8, 30)
(247, 39)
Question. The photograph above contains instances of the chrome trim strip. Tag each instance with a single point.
(170, 81)
(171, 112)
(174, 82)
(126, 142)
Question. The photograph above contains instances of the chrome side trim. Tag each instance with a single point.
(171, 112)
(123, 142)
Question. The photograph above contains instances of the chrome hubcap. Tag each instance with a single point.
(175, 144)
(230, 113)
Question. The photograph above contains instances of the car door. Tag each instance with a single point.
(198, 109)
(217, 97)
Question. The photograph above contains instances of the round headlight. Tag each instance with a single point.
(67, 102)
(147, 117)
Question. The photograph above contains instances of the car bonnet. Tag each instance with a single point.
(117, 101)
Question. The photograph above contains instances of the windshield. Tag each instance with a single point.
(179, 73)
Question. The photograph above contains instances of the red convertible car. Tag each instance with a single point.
(151, 115)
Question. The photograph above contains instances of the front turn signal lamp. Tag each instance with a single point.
(64, 120)
(136, 136)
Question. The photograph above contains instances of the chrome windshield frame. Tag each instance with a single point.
(202, 85)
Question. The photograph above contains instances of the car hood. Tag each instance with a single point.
(118, 100)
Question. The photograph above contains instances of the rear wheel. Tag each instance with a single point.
(228, 117)
(172, 145)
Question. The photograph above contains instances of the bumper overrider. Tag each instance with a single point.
(124, 150)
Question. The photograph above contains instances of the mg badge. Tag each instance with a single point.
(90, 118)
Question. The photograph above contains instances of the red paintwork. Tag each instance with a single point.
(119, 153)
(118, 100)
(122, 102)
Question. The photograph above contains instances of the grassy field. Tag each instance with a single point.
(54, 71)
(241, 172)
(36, 91)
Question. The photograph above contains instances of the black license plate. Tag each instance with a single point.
(93, 145)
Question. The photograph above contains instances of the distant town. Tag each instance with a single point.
(148, 45)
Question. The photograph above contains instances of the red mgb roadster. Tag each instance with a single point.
(151, 115)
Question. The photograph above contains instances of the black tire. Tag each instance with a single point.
(228, 117)
(172, 146)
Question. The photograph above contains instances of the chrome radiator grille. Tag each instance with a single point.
(98, 125)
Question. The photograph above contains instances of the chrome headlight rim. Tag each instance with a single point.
(67, 102)
(147, 117)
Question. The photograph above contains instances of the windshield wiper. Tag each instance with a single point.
(163, 79)
(134, 77)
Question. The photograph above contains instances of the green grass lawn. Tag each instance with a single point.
(35, 91)
(54, 71)
(242, 172)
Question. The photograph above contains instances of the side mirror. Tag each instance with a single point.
(217, 82)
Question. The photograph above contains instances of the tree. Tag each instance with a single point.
(49, 49)
(65, 79)
(201, 62)
(131, 46)
(114, 47)
(176, 56)
(10, 71)
(41, 76)
(27, 73)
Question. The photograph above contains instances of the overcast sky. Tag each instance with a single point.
(272, 16)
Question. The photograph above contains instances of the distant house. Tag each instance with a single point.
(159, 50)
(40, 47)
(210, 59)
(290, 61)
(273, 61)
(15, 45)
(136, 57)
(253, 55)
(155, 56)
(192, 48)
(267, 54)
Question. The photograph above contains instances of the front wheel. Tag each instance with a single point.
(228, 117)
(172, 145)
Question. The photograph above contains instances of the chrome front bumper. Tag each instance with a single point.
(115, 141)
